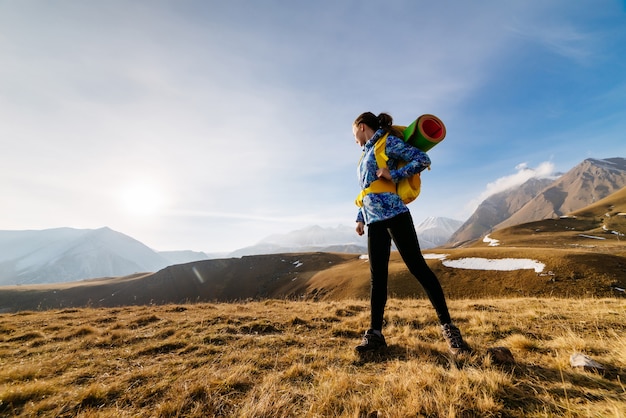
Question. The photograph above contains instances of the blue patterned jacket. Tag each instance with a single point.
(381, 206)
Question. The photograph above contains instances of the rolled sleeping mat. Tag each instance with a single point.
(425, 132)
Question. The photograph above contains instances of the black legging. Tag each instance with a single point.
(379, 235)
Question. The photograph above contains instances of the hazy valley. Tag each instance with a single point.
(581, 255)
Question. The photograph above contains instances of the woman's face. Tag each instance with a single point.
(359, 134)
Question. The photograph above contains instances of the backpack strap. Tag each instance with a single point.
(380, 185)
(379, 152)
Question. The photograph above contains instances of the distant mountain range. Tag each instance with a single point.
(537, 199)
(66, 254)
(432, 232)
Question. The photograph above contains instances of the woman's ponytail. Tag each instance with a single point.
(386, 122)
(383, 121)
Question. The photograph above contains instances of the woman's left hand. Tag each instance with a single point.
(384, 173)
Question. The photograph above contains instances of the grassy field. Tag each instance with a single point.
(278, 358)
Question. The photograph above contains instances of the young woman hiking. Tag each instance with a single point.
(388, 218)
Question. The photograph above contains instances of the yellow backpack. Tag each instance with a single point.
(424, 133)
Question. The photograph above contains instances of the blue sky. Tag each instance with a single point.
(209, 125)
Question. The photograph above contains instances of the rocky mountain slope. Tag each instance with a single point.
(496, 209)
(583, 185)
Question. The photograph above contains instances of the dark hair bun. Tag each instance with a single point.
(385, 121)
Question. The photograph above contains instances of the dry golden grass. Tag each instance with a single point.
(285, 359)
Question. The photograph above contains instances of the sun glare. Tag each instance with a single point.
(142, 199)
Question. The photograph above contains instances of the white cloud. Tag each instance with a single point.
(562, 38)
(523, 173)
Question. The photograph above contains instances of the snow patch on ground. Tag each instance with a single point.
(499, 264)
(476, 263)
(492, 242)
(435, 256)
(590, 236)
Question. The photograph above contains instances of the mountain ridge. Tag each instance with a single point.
(495, 209)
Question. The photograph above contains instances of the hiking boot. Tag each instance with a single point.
(371, 342)
(454, 339)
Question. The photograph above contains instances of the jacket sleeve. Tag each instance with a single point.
(416, 159)
(359, 216)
